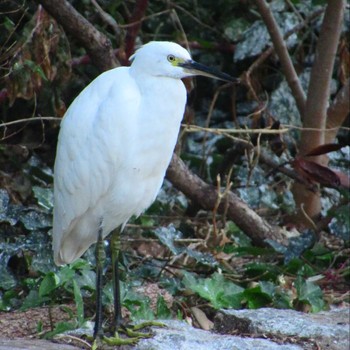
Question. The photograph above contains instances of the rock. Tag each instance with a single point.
(328, 330)
(262, 329)
(33, 344)
(180, 336)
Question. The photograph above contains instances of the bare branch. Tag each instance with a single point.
(107, 18)
(295, 29)
(206, 195)
(337, 112)
(140, 8)
(282, 53)
(96, 44)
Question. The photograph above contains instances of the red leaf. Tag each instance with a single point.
(316, 173)
(323, 149)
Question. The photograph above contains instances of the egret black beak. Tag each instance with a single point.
(194, 67)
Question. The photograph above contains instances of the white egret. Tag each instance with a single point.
(114, 146)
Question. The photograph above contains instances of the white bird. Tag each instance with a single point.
(115, 144)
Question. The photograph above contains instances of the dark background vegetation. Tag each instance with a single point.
(256, 211)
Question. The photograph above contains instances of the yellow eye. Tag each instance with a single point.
(171, 58)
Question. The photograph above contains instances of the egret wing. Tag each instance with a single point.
(88, 155)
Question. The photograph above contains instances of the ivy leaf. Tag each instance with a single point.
(50, 282)
(220, 292)
(260, 295)
(310, 293)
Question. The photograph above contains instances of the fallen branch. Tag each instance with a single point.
(206, 196)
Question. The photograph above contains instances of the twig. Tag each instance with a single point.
(196, 128)
(188, 13)
(145, 18)
(176, 19)
(295, 29)
(107, 18)
(19, 121)
(179, 240)
(282, 52)
(140, 8)
(307, 217)
(71, 337)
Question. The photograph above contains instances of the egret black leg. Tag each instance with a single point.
(100, 255)
(115, 247)
(132, 335)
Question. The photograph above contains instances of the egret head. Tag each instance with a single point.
(163, 58)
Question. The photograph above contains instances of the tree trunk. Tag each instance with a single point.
(315, 114)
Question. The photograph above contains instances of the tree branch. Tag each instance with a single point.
(206, 195)
(286, 35)
(282, 53)
(337, 112)
(321, 75)
(96, 44)
(315, 116)
(140, 8)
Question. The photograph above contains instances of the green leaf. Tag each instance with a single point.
(147, 221)
(80, 265)
(263, 271)
(163, 311)
(141, 310)
(293, 266)
(8, 299)
(86, 280)
(39, 326)
(310, 293)
(33, 300)
(65, 274)
(220, 292)
(49, 283)
(61, 327)
(239, 237)
(79, 303)
(260, 295)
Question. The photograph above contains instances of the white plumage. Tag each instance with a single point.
(115, 143)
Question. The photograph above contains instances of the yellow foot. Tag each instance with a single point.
(132, 331)
(116, 340)
(133, 336)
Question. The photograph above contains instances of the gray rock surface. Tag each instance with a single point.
(32, 344)
(263, 329)
(329, 330)
(181, 336)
